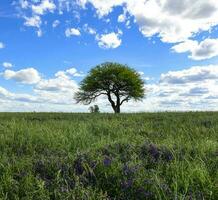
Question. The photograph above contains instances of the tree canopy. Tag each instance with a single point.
(118, 82)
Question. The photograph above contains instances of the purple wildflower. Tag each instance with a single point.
(107, 161)
(154, 151)
(78, 167)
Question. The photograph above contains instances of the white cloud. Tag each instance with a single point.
(72, 32)
(186, 46)
(39, 33)
(103, 7)
(144, 77)
(89, 29)
(192, 89)
(4, 92)
(34, 21)
(72, 72)
(172, 20)
(55, 94)
(109, 41)
(44, 6)
(206, 49)
(24, 4)
(60, 83)
(196, 91)
(55, 23)
(25, 76)
(37, 102)
(193, 74)
(121, 18)
(57, 90)
(7, 64)
(2, 45)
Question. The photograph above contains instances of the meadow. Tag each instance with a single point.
(109, 157)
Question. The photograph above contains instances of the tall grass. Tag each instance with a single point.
(107, 156)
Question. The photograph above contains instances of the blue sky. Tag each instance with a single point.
(48, 46)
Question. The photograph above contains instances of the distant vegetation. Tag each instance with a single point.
(106, 156)
(94, 109)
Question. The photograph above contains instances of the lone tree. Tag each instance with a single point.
(119, 83)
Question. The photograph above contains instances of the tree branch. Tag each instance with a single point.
(126, 99)
(87, 97)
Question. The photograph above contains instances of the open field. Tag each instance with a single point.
(107, 156)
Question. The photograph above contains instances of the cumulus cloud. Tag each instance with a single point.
(72, 72)
(47, 95)
(25, 76)
(24, 4)
(37, 102)
(60, 83)
(2, 45)
(109, 41)
(57, 90)
(195, 88)
(4, 93)
(7, 64)
(44, 6)
(193, 74)
(103, 7)
(172, 20)
(72, 32)
(34, 21)
(18, 102)
(196, 91)
(206, 49)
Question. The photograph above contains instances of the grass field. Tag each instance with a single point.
(107, 156)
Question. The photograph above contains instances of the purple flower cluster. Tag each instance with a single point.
(78, 166)
(155, 153)
(107, 161)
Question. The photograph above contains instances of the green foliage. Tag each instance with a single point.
(109, 157)
(113, 80)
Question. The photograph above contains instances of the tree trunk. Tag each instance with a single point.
(117, 108)
(118, 103)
